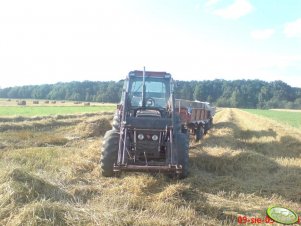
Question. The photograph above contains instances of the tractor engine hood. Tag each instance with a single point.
(148, 123)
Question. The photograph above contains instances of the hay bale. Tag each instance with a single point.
(35, 102)
(22, 102)
(87, 104)
(46, 101)
(94, 128)
(27, 188)
(53, 102)
(9, 100)
(62, 102)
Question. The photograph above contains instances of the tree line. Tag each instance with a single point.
(223, 93)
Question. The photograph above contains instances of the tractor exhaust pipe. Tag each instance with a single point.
(143, 88)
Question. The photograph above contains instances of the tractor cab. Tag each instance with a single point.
(148, 94)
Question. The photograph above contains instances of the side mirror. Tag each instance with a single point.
(119, 106)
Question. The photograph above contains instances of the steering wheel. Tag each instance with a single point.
(150, 102)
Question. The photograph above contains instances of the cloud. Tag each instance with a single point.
(211, 2)
(262, 34)
(293, 29)
(238, 9)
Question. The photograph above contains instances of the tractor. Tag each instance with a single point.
(147, 133)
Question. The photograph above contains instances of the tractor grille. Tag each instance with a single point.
(147, 146)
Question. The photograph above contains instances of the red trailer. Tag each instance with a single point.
(195, 116)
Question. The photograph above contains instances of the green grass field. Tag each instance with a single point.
(291, 118)
(51, 110)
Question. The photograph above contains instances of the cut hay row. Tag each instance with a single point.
(244, 165)
(50, 122)
(36, 111)
(55, 117)
(52, 131)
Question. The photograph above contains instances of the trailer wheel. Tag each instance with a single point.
(198, 133)
(183, 153)
(210, 123)
(206, 127)
(109, 152)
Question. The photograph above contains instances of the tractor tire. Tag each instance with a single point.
(109, 153)
(199, 133)
(182, 146)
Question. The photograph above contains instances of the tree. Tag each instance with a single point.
(237, 93)
(197, 92)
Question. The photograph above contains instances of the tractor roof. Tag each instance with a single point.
(158, 74)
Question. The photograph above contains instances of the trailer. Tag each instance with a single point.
(196, 116)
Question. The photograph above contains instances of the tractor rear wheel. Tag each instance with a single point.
(182, 142)
(109, 152)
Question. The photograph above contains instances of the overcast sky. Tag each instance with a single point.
(68, 40)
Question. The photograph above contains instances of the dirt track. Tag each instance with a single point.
(244, 164)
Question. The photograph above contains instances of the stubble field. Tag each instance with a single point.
(49, 174)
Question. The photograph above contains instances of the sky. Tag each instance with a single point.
(44, 42)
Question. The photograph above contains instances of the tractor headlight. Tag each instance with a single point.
(140, 136)
(154, 137)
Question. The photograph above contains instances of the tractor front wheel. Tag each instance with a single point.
(109, 152)
(182, 142)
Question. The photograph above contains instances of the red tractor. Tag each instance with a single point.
(149, 132)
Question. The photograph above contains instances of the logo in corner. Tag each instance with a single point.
(282, 215)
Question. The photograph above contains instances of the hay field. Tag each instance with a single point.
(49, 174)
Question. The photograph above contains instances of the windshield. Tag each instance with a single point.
(156, 92)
